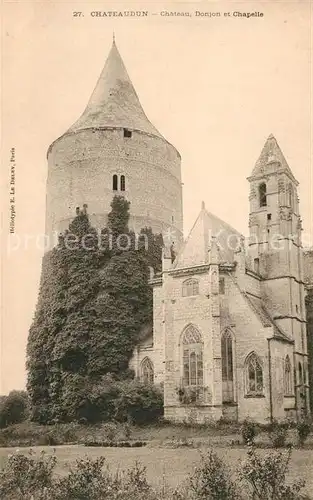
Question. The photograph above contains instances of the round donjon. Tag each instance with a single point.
(113, 149)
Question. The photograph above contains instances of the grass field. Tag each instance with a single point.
(164, 465)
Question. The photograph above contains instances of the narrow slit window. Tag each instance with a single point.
(222, 286)
(115, 182)
(262, 194)
(122, 182)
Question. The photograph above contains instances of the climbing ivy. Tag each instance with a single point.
(94, 300)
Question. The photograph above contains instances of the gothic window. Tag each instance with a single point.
(122, 182)
(115, 182)
(227, 367)
(222, 286)
(190, 287)
(254, 375)
(192, 357)
(147, 372)
(288, 377)
(262, 194)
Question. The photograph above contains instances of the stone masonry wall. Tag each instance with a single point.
(81, 167)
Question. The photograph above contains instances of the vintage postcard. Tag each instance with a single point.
(157, 249)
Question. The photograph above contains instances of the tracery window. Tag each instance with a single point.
(190, 287)
(262, 195)
(227, 367)
(192, 357)
(254, 375)
(288, 377)
(147, 371)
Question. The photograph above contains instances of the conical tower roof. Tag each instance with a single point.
(270, 154)
(114, 101)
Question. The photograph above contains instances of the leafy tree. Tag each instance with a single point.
(14, 408)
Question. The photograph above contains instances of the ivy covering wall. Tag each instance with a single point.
(94, 299)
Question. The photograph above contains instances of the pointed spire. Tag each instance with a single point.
(270, 156)
(114, 101)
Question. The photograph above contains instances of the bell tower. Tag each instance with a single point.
(275, 250)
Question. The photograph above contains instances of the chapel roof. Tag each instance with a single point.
(271, 157)
(114, 101)
(195, 249)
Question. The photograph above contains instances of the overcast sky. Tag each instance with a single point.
(214, 87)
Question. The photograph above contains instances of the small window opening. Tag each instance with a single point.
(115, 182)
(269, 216)
(297, 308)
(172, 218)
(262, 194)
(257, 265)
(127, 133)
(290, 195)
(122, 182)
(222, 286)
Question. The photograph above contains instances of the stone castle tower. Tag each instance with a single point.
(114, 149)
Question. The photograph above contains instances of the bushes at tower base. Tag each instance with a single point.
(14, 408)
(110, 400)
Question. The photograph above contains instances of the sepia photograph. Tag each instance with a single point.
(156, 250)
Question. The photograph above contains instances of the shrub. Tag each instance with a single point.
(303, 430)
(110, 431)
(266, 477)
(249, 431)
(278, 433)
(14, 408)
(26, 477)
(137, 402)
(212, 480)
(127, 430)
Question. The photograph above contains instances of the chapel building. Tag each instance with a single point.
(229, 324)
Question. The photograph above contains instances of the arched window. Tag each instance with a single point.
(254, 375)
(147, 372)
(190, 287)
(122, 182)
(262, 194)
(288, 377)
(115, 182)
(227, 367)
(192, 357)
